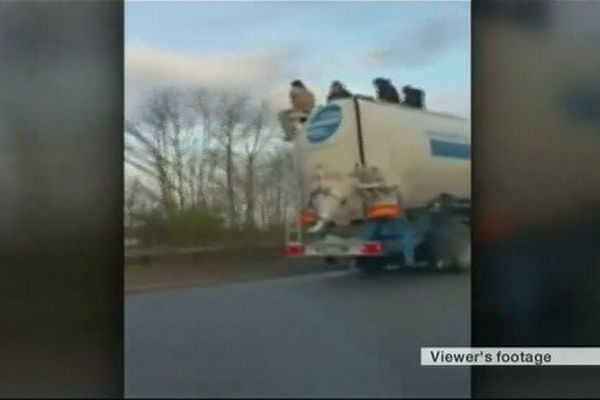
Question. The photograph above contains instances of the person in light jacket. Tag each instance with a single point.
(303, 102)
(301, 98)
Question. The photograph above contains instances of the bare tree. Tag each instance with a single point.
(257, 136)
(278, 185)
(211, 150)
(204, 161)
(149, 157)
(227, 124)
(132, 196)
(158, 144)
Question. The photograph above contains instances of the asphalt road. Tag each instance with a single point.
(327, 334)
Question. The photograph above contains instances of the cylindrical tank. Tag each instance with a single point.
(422, 153)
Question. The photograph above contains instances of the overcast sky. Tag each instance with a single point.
(259, 47)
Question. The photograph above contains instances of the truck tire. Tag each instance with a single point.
(463, 259)
(330, 261)
(369, 265)
(450, 249)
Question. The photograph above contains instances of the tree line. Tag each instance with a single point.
(205, 165)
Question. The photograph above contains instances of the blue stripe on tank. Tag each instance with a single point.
(442, 148)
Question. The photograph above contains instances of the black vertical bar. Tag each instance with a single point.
(361, 149)
(61, 180)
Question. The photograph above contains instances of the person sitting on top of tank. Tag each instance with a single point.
(413, 97)
(386, 91)
(302, 99)
(337, 90)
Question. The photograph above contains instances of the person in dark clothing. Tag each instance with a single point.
(413, 97)
(337, 91)
(386, 91)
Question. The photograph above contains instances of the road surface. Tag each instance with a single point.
(328, 334)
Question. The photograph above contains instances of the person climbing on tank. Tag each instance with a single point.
(302, 102)
(386, 91)
(337, 90)
(413, 97)
(302, 99)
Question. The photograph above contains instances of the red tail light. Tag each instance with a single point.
(294, 250)
(308, 218)
(384, 211)
(372, 249)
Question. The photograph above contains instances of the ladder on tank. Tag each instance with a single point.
(293, 230)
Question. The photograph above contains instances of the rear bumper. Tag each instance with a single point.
(312, 250)
(340, 249)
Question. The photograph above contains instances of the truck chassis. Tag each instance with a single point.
(437, 236)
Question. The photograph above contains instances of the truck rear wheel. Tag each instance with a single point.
(450, 249)
(370, 265)
(330, 261)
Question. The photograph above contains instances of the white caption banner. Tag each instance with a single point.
(523, 356)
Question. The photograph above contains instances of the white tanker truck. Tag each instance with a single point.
(383, 185)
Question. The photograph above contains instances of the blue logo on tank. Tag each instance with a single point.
(325, 123)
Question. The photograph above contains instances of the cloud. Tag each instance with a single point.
(256, 71)
(264, 73)
(456, 101)
(419, 47)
